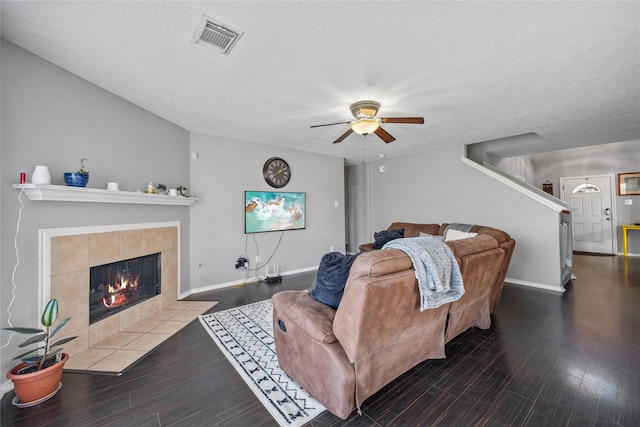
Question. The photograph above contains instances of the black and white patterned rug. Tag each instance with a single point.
(245, 336)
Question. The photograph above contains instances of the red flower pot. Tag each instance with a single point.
(39, 384)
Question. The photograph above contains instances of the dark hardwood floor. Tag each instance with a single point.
(548, 360)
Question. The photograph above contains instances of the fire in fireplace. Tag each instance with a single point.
(121, 284)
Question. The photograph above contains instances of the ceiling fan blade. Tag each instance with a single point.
(384, 135)
(330, 124)
(344, 135)
(413, 120)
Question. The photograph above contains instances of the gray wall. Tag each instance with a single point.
(227, 168)
(619, 157)
(356, 189)
(436, 187)
(614, 158)
(54, 118)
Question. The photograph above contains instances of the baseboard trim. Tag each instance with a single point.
(553, 288)
(254, 279)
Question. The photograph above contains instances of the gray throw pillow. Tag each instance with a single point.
(384, 236)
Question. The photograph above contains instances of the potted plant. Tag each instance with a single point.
(77, 179)
(38, 377)
(182, 191)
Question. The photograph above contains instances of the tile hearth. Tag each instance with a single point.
(117, 352)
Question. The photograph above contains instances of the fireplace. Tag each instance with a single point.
(119, 285)
(68, 256)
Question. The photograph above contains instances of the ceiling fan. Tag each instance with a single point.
(366, 122)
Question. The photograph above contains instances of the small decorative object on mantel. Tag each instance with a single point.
(38, 377)
(182, 191)
(77, 179)
(150, 188)
(547, 187)
(41, 175)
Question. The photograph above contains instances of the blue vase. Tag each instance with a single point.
(75, 179)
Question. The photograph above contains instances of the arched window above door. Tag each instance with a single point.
(586, 188)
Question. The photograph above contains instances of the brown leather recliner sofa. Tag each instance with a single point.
(342, 357)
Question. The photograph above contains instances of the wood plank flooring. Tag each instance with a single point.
(548, 360)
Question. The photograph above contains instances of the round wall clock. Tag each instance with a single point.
(276, 172)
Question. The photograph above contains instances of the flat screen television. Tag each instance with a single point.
(274, 211)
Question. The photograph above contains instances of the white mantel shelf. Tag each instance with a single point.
(63, 193)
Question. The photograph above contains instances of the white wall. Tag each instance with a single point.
(225, 169)
(52, 117)
(519, 167)
(436, 187)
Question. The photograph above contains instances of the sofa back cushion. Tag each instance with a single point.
(413, 230)
(499, 235)
(479, 243)
(379, 263)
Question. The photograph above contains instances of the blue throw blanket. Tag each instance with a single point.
(438, 273)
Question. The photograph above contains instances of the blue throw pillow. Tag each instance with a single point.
(384, 236)
(333, 271)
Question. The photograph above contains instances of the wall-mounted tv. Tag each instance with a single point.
(274, 211)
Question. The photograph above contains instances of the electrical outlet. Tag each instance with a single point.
(258, 259)
(628, 201)
(330, 248)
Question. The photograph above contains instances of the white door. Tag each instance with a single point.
(593, 217)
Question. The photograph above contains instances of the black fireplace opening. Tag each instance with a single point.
(122, 284)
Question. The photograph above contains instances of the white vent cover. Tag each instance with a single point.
(216, 35)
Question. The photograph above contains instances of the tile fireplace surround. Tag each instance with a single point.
(112, 344)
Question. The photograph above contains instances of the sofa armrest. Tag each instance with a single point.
(310, 316)
(309, 353)
(365, 247)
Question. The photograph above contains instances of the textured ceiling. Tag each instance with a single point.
(476, 71)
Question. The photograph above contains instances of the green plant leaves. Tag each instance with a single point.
(33, 340)
(22, 330)
(60, 325)
(50, 313)
(37, 358)
(63, 341)
(48, 318)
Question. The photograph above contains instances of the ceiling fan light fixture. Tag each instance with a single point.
(365, 126)
(364, 109)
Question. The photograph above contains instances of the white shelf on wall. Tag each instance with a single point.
(63, 193)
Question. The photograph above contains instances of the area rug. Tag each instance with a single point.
(245, 336)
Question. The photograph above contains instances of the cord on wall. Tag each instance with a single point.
(255, 242)
(15, 267)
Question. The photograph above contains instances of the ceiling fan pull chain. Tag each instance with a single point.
(364, 142)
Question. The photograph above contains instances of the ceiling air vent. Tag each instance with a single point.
(216, 35)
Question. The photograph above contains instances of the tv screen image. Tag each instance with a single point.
(274, 211)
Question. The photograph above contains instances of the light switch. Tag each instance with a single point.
(381, 169)
(628, 201)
